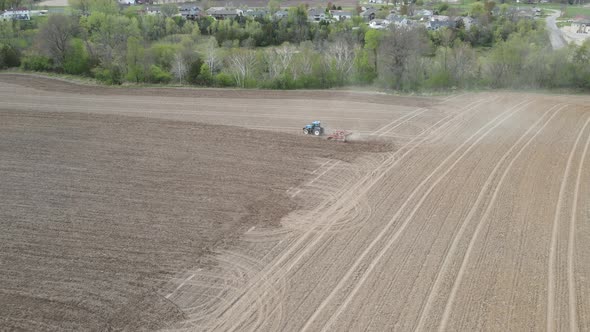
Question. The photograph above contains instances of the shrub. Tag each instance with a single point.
(109, 76)
(37, 63)
(76, 61)
(9, 57)
(205, 76)
(224, 80)
(194, 71)
(158, 75)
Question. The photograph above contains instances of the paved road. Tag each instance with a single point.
(555, 35)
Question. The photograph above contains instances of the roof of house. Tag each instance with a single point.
(315, 11)
(368, 12)
(341, 12)
(225, 12)
(424, 12)
(255, 12)
(379, 21)
(395, 18)
(441, 24)
(188, 8)
(581, 19)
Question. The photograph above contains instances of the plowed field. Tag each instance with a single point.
(142, 209)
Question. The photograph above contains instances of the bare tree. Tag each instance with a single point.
(279, 59)
(55, 35)
(341, 55)
(179, 67)
(303, 60)
(462, 63)
(212, 54)
(241, 64)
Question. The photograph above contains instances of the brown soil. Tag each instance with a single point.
(477, 220)
(97, 210)
(65, 86)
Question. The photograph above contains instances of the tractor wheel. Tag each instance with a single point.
(305, 131)
(317, 132)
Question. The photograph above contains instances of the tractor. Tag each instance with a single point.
(314, 128)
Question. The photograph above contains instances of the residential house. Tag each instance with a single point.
(424, 13)
(281, 14)
(223, 14)
(399, 21)
(153, 10)
(341, 15)
(467, 21)
(190, 12)
(17, 14)
(256, 13)
(581, 24)
(436, 23)
(211, 10)
(369, 14)
(379, 24)
(316, 15)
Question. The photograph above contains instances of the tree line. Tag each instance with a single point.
(113, 45)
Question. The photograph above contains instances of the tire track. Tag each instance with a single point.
(572, 244)
(300, 248)
(451, 252)
(399, 120)
(554, 233)
(396, 123)
(494, 123)
(416, 113)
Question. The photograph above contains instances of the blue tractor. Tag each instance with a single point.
(314, 128)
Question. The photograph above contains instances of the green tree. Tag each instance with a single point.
(364, 71)
(9, 57)
(476, 9)
(136, 61)
(76, 61)
(194, 71)
(372, 40)
(205, 76)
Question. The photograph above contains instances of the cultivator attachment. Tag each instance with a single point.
(339, 135)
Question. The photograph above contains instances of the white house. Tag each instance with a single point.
(399, 21)
(424, 13)
(379, 24)
(340, 15)
(18, 14)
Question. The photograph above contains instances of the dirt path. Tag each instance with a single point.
(555, 34)
(473, 222)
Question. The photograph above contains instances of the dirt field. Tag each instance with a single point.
(477, 219)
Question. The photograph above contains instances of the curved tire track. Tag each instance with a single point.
(299, 249)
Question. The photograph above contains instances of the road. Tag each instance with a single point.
(555, 34)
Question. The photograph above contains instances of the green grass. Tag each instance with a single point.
(573, 11)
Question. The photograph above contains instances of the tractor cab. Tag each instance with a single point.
(314, 128)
